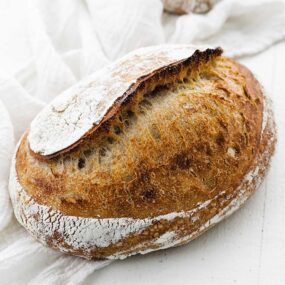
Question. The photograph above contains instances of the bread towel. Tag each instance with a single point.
(51, 46)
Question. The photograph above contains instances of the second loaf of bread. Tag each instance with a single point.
(188, 6)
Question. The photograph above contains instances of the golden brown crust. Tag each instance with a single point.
(165, 151)
(145, 235)
(187, 228)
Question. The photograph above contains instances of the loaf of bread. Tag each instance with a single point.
(146, 154)
(188, 6)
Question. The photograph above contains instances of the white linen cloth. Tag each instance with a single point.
(62, 42)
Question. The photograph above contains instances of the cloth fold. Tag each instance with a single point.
(67, 40)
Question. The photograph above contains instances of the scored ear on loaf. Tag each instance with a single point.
(146, 154)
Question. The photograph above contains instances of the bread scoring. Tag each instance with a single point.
(167, 144)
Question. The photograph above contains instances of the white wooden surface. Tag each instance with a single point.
(249, 247)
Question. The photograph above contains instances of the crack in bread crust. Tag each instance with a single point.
(81, 110)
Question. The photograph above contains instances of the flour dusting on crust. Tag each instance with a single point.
(80, 233)
(77, 110)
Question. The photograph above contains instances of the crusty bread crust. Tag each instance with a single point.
(93, 103)
(119, 238)
(197, 143)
